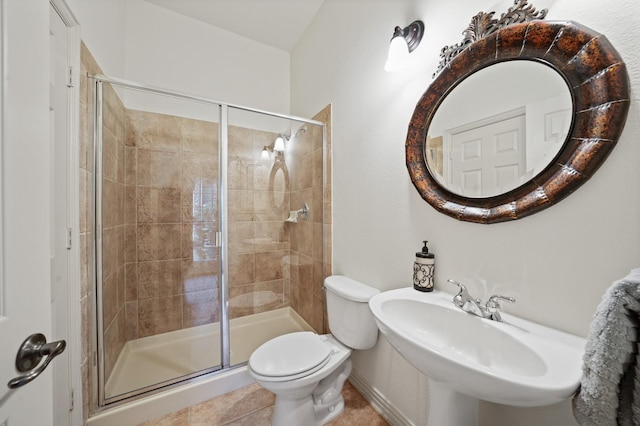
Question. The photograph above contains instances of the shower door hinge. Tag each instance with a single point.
(69, 238)
(71, 78)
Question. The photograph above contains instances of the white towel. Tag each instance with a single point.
(609, 391)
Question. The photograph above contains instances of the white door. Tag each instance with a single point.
(548, 123)
(488, 160)
(25, 291)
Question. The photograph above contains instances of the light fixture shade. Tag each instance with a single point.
(265, 153)
(403, 42)
(278, 145)
(398, 54)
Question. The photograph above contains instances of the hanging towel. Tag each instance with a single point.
(609, 391)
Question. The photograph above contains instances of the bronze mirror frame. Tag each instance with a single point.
(599, 85)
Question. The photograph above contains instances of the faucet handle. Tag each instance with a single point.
(493, 306)
(493, 301)
(458, 299)
(460, 285)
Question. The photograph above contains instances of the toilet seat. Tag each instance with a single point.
(290, 356)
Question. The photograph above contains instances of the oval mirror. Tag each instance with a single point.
(278, 184)
(597, 80)
(495, 130)
(278, 190)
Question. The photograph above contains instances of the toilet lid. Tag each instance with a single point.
(290, 354)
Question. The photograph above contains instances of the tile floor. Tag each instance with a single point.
(253, 406)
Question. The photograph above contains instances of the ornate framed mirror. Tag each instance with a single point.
(455, 160)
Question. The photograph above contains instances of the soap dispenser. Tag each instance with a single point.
(424, 269)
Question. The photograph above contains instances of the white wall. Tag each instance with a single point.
(170, 50)
(144, 43)
(103, 31)
(557, 263)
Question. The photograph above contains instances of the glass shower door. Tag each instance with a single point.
(274, 222)
(158, 231)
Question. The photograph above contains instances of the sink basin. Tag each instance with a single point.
(514, 362)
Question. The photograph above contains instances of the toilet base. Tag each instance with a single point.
(316, 406)
(327, 396)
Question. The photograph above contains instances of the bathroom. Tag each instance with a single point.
(557, 263)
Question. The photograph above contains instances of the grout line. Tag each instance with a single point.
(246, 415)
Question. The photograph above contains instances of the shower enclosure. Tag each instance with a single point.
(208, 234)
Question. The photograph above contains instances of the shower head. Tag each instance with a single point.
(302, 129)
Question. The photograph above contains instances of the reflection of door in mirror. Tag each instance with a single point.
(435, 154)
(279, 187)
(468, 120)
(487, 159)
(548, 123)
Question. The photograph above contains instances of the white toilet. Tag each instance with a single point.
(307, 371)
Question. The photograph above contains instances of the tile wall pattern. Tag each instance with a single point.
(88, 65)
(113, 185)
(113, 229)
(309, 156)
(171, 217)
(258, 241)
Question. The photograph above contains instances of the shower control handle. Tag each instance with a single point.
(31, 352)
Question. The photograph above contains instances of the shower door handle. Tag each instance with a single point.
(31, 352)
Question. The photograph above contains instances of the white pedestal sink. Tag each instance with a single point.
(467, 358)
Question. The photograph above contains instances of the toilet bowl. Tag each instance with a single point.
(307, 371)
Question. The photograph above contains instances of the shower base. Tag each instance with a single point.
(155, 359)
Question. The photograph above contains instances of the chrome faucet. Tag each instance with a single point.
(467, 303)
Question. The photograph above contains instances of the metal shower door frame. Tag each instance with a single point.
(97, 351)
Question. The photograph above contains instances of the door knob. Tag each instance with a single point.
(31, 352)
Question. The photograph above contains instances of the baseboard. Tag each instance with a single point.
(378, 401)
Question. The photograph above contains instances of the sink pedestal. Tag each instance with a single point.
(450, 408)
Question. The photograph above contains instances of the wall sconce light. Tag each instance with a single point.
(265, 153)
(276, 146)
(403, 42)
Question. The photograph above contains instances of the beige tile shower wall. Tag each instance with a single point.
(259, 258)
(112, 215)
(310, 185)
(324, 116)
(88, 65)
(113, 242)
(113, 284)
(171, 195)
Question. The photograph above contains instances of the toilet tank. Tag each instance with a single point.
(350, 318)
